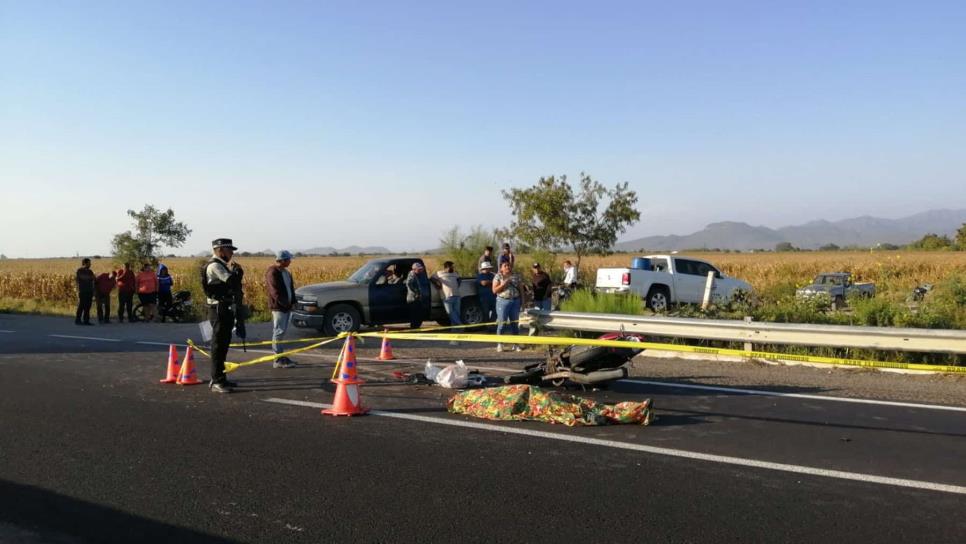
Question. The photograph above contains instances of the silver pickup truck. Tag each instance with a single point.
(369, 297)
(837, 286)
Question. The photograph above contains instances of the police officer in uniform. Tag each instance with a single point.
(222, 282)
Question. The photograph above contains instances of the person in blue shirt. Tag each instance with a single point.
(165, 283)
(484, 282)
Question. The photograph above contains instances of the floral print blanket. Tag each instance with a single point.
(528, 402)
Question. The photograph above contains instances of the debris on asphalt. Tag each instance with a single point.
(528, 402)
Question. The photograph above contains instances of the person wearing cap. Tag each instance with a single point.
(221, 280)
(542, 288)
(85, 293)
(448, 282)
(487, 257)
(281, 299)
(507, 257)
(416, 295)
(484, 281)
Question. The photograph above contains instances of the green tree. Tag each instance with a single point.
(464, 249)
(153, 229)
(551, 216)
(932, 242)
(961, 238)
(829, 247)
(785, 246)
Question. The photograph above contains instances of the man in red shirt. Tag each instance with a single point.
(103, 285)
(125, 293)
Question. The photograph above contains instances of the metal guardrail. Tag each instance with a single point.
(753, 332)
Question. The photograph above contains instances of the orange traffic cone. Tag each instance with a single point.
(174, 367)
(385, 354)
(347, 401)
(189, 375)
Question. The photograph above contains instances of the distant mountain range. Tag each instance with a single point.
(323, 250)
(862, 231)
(352, 250)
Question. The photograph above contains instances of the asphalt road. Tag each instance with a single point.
(94, 449)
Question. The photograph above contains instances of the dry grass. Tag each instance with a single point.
(50, 282)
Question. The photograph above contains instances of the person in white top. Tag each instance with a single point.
(448, 281)
(570, 274)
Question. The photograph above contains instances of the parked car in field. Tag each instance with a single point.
(837, 286)
(662, 280)
(367, 297)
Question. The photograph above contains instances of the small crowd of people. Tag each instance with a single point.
(151, 288)
(500, 293)
(500, 296)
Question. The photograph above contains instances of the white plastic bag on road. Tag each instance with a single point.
(431, 370)
(454, 376)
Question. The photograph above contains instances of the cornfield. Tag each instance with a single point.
(49, 283)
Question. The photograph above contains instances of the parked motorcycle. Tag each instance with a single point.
(919, 293)
(584, 365)
(178, 311)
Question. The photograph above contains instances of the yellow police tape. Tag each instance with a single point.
(421, 329)
(563, 341)
(231, 367)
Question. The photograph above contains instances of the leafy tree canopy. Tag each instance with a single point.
(153, 229)
(551, 215)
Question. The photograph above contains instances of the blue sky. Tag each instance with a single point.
(297, 124)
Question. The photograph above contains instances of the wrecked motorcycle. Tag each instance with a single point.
(584, 365)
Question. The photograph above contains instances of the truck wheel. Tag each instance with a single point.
(838, 303)
(657, 299)
(471, 313)
(341, 318)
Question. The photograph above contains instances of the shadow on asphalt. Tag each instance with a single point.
(700, 414)
(39, 515)
(627, 387)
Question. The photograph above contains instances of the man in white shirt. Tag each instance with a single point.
(448, 281)
(570, 274)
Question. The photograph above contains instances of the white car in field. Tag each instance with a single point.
(662, 280)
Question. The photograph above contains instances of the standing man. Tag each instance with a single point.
(221, 280)
(415, 295)
(125, 293)
(487, 257)
(507, 256)
(104, 284)
(281, 299)
(85, 293)
(448, 281)
(570, 275)
(542, 288)
(146, 283)
(484, 281)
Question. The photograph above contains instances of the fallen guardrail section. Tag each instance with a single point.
(751, 332)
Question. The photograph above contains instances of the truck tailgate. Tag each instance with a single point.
(611, 278)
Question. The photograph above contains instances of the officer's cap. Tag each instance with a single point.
(222, 242)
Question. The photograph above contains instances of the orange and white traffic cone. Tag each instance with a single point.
(347, 400)
(174, 367)
(385, 353)
(189, 375)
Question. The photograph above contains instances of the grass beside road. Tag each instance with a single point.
(47, 285)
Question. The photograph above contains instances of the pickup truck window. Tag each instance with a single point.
(684, 266)
(366, 273)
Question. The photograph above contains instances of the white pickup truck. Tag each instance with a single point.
(662, 280)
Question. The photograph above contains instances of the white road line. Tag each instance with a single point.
(798, 395)
(84, 338)
(8, 332)
(752, 463)
(161, 344)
